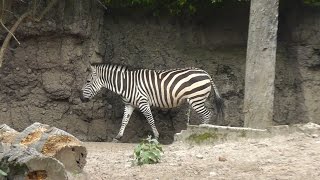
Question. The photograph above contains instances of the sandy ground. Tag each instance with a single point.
(282, 157)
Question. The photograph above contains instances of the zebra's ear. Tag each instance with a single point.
(92, 68)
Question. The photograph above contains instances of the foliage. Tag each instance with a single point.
(2, 173)
(312, 2)
(173, 7)
(148, 152)
(200, 138)
(180, 7)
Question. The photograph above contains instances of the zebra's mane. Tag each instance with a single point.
(174, 69)
(138, 68)
(111, 64)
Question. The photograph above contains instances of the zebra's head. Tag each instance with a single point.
(92, 86)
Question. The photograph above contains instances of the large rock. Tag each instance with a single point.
(57, 84)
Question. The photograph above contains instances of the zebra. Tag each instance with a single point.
(145, 88)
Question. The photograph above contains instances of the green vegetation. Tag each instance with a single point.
(2, 173)
(243, 134)
(199, 138)
(312, 2)
(173, 7)
(148, 152)
(180, 7)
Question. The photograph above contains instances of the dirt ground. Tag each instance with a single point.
(296, 156)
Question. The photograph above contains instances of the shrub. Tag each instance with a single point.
(149, 151)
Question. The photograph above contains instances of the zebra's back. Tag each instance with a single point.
(167, 89)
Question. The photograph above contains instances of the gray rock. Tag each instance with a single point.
(212, 173)
(57, 84)
(199, 156)
(314, 135)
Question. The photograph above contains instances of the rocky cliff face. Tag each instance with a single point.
(41, 78)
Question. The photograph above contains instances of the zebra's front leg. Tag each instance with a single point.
(145, 109)
(128, 109)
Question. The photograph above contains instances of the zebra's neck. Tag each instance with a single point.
(112, 77)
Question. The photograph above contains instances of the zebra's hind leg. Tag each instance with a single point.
(145, 109)
(128, 109)
(201, 109)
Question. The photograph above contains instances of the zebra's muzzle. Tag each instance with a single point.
(83, 99)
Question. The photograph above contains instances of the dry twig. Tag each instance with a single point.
(46, 10)
(9, 31)
(10, 35)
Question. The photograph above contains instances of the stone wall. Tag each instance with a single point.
(41, 78)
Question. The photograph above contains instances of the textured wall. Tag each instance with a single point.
(41, 78)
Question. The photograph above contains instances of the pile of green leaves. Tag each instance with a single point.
(149, 151)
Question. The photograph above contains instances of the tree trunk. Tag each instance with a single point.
(41, 144)
(260, 65)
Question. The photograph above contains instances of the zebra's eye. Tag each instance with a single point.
(88, 81)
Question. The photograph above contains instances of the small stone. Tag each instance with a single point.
(212, 173)
(43, 112)
(314, 135)
(17, 68)
(130, 155)
(222, 159)
(29, 24)
(122, 58)
(79, 53)
(29, 71)
(127, 165)
(109, 106)
(199, 156)
(4, 109)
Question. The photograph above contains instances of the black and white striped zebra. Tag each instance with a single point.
(143, 88)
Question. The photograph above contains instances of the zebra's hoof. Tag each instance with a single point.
(115, 140)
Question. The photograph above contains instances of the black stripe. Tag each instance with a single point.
(194, 90)
(191, 82)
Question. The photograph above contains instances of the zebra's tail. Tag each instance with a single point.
(219, 102)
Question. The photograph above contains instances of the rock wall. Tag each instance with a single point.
(41, 78)
(304, 48)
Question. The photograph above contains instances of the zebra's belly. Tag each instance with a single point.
(154, 103)
(167, 106)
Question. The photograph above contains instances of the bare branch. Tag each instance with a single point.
(105, 7)
(9, 31)
(50, 5)
(2, 10)
(9, 35)
(5, 7)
